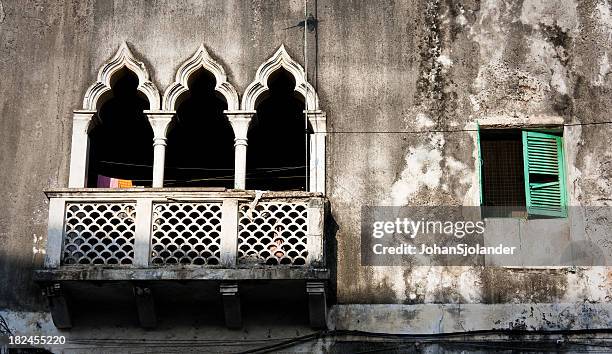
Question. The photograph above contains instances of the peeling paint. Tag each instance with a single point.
(556, 12)
(602, 15)
(604, 69)
(424, 121)
(445, 60)
(423, 170)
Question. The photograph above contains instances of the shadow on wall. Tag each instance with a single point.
(17, 289)
(331, 228)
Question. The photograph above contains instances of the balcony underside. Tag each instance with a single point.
(94, 303)
(154, 241)
(91, 273)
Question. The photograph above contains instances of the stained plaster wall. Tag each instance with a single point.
(384, 66)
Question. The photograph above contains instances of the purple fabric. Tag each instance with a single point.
(103, 182)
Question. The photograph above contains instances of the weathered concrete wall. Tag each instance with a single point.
(459, 62)
(382, 65)
(43, 49)
(52, 52)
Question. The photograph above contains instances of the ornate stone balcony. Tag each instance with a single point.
(210, 234)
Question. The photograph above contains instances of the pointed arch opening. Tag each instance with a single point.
(120, 140)
(200, 145)
(279, 137)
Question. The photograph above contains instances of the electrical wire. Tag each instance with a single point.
(170, 182)
(306, 137)
(426, 131)
(4, 328)
(276, 169)
(445, 338)
(223, 178)
(531, 340)
(200, 168)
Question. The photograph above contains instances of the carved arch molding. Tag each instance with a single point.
(162, 109)
(124, 58)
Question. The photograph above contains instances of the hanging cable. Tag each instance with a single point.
(265, 169)
(306, 140)
(5, 330)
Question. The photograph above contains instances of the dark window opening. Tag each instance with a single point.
(502, 171)
(277, 155)
(121, 144)
(200, 150)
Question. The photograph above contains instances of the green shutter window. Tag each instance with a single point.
(544, 174)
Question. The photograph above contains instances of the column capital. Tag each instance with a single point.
(82, 119)
(82, 114)
(315, 113)
(318, 120)
(240, 121)
(159, 120)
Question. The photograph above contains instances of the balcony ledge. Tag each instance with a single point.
(175, 193)
(101, 273)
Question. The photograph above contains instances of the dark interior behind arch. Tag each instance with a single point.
(200, 150)
(121, 143)
(277, 154)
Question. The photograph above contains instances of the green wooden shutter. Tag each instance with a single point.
(544, 174)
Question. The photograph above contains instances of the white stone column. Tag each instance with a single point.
(315, 236)
(142, 237)
(55, 233)
(318, 122)
(159, 120)
(229, 232)
(79, 151)
(240, 121)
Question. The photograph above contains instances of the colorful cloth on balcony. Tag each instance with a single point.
(109, 182)
(124, 183)
(103, 182)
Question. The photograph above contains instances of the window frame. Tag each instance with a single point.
(162, 110)
(562, 170)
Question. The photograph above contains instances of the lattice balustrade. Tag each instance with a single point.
(186, 233)
(273, 233)
(99, 233)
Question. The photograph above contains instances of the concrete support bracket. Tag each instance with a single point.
(58, 305)
(317, 304)
(145, 306)
(231, 305)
